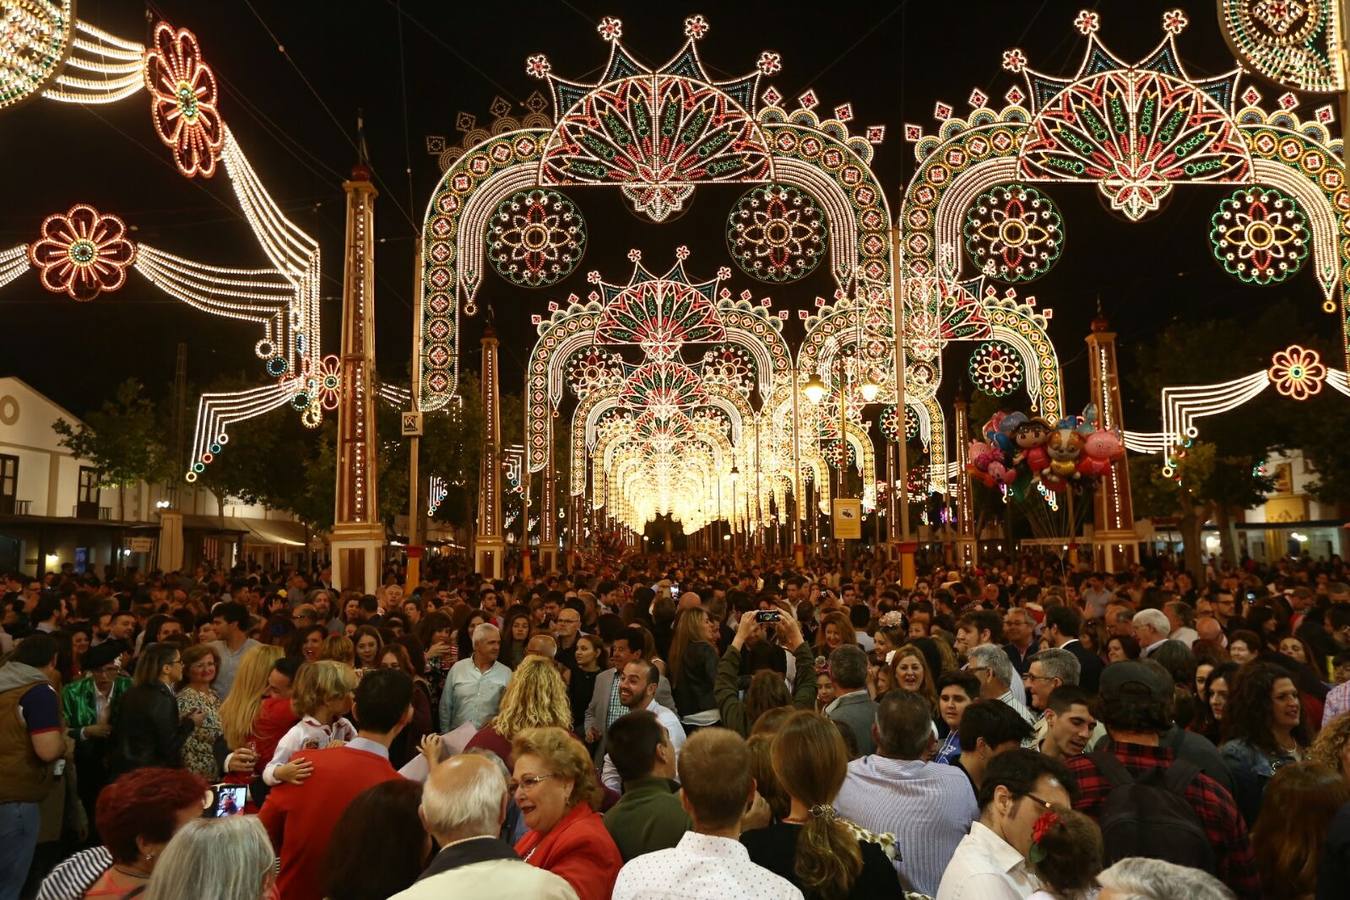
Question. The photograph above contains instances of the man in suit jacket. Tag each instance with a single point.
(852, 704)
(605, 706)
(300, 817)
(463, 807)
(1063, 624)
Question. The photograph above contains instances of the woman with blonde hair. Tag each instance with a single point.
(553, 782)
(339, 647)
(215, 859)
(536, 697)
(693, 668)
(252, 720)
(1332, 747)
(827, 857)
(321, 698)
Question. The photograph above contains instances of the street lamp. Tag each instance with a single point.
(869, 390)
(735, 472)
(814, 389)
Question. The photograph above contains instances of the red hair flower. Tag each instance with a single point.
(1047, 821)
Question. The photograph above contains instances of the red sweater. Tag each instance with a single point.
(300, 817)
(578, 848)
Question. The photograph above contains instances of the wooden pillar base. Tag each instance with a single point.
(489, 556)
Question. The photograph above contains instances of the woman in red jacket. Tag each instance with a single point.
(555, 789)
(253, 718)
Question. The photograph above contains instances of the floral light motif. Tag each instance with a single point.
(1174, 21)
(695, 27)
(776, 233)
(538, 66)
(82, 253)
(1297, 373)
(996, 369)
(1260, 235)
(1087, 22)
(538, 237)
(769, 63)
(890, 428)
(1014, 233)
(610, 28)
(1014, 60)
(328, 382)
(183, 100)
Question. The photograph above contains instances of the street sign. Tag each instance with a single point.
(848, 519)
(412, 424)
(140, 544)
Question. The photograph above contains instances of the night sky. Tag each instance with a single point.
(297, 125)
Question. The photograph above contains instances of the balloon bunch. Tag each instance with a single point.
(1020, 451)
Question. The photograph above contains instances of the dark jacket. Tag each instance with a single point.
(146, 730)
(1251, 768)
(1089, 664)
(693, 690)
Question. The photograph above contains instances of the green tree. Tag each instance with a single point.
(122, 439)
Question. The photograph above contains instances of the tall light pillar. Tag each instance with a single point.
(358, 533)
(967, 541)
(548, 516)
(1115, 544)
(489, 547)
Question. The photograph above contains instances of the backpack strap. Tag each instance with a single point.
(1112, 768)
(1179, 776)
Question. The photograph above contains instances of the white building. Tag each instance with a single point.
(53, 513)
(1291, 521)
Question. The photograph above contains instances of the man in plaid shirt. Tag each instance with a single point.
(1134, 708)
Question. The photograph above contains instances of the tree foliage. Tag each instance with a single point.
(122, 439)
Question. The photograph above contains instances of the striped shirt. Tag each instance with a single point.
(927, 806)
(70, 879)
(1027, 715)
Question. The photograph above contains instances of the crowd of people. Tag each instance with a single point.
(679, 727)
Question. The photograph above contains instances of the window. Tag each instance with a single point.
(9, 483)
(88, 485)
(86, 504)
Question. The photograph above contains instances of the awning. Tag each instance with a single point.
(275, 532)
(215, 524)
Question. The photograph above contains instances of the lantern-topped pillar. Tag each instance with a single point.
(489, 548)
(358, 533)
(1115, 544)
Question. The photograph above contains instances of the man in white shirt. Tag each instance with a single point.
(1181, 615)
(637, 690)
(991, 862)
(1151, 628)
(474, 688)
(927, 806)
(710, 861)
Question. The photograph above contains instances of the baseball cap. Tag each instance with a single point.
(1119, 676)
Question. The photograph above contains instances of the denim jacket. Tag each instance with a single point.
(1251, 768)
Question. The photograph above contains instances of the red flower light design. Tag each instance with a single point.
(82, 253)
(184, 100)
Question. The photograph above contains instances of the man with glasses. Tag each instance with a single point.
(991, 861)
(1019, 632)
(567, 629)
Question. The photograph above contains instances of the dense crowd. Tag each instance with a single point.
(679, 727)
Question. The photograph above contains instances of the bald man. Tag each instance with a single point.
(1209, 629)
(463, 806)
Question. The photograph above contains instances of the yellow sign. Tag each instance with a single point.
(848, 520)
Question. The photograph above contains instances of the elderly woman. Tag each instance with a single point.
(201, 662)
(225, 859)
(137, 815)
(555, 789)
(535, 698)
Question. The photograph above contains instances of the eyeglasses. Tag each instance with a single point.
(530, 782)
(975, 669)
(1032, 677)
(1040, 802)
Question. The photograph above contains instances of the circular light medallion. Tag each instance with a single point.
(1259, 235)
(1014, 233)
(537, 238)
(34, 42)
(776, 233)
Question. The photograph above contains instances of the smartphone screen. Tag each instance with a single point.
(226, 800)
